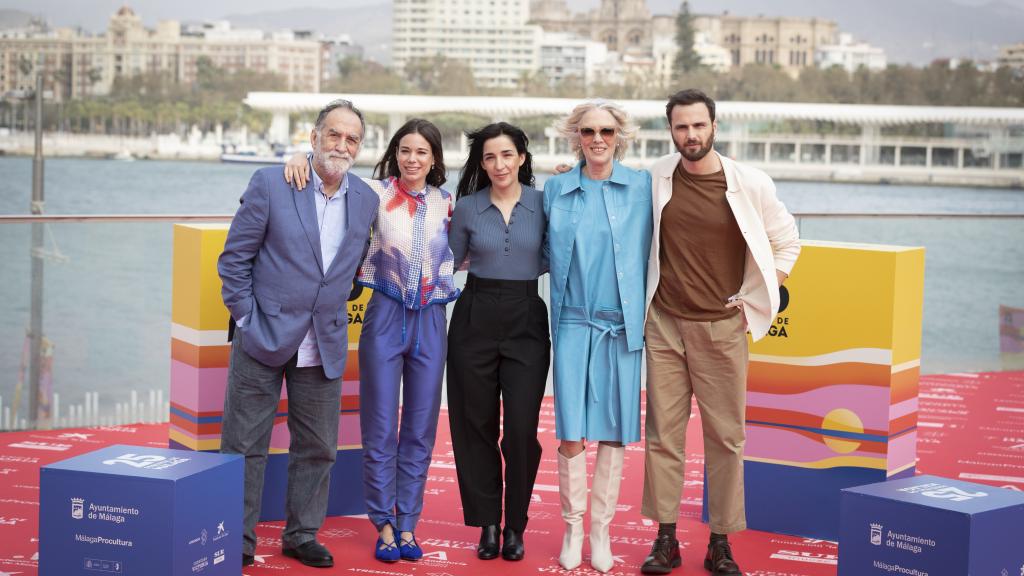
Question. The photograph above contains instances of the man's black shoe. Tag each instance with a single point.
(664, 556)
(248, 559)
(719, 559)
(512, 546)
(310, 553)
(489, 547)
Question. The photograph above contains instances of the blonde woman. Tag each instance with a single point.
(599, 236)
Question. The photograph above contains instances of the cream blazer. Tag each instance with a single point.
(769, 229)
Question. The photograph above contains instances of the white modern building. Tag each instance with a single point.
(851, 55)
(714, 56)
(81, 65)
(1012, 55)
(563, 56)
(492, 38)
(336, 50)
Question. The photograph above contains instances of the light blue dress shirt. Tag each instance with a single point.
(332, 221)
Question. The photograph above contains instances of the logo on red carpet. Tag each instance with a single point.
(74, 436)
(808, 557)
(125, 429)
(30, 445)
(22, 459)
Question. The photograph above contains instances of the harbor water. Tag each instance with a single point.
(107, 290)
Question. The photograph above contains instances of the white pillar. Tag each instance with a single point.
(280, 128)
(395, 121)
(869, 149)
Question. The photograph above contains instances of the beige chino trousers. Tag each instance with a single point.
(709, 360)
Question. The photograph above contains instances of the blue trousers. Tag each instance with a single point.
(397, 347)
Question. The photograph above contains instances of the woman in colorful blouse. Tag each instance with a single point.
(498, 342)
(599, 237)
(409, 267)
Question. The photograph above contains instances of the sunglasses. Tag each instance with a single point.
(606, 133)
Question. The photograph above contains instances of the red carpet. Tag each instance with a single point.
(971, 427)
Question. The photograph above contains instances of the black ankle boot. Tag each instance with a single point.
(489, 547)
(512, 547)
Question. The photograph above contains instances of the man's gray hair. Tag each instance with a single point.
(334, 105)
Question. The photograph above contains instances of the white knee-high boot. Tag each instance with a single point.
(572, 492)
(603, 498)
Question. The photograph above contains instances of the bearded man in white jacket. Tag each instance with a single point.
(723, 244)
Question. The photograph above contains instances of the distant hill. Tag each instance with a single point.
(14, 19)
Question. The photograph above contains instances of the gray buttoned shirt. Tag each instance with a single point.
(496, 250)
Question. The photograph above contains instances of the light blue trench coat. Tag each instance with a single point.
(610, 382)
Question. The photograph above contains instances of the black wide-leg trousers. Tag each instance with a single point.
(498, 356)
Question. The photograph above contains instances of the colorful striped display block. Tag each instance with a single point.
(832, 390)
(199, 368)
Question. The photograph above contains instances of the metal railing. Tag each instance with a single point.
(108, 307)
(213, 218)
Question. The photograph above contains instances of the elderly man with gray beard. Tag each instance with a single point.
(287, 271)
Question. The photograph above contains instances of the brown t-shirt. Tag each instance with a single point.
(702, 249)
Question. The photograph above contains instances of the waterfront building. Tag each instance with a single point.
(714, 56)
(334, 51)
(1012, 55)
(564, 56)
(850, 55)
(879, 143)
(80, 65)
(624, 26)
(492, 38)
(646, 43)
(789, 43)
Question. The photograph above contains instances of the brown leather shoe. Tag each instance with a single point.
(719, 559)
(664, 556)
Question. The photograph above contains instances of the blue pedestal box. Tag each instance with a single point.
(140, 510)
(931, 526)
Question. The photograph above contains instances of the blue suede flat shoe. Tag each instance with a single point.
(386, 552)
(410, 549)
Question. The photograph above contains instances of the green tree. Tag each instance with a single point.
(365, 77)
(687, 59)
(440, 75)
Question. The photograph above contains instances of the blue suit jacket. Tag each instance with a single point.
(271, 269)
